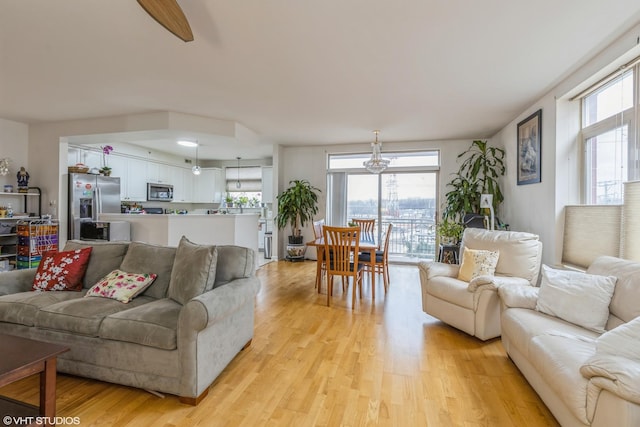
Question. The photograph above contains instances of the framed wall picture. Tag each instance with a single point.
(529, 149)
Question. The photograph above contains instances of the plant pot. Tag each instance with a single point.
(296, 252)
(296, 240)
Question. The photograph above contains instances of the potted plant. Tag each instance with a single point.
(228, 200)
(296, 206)
(479, 173)
(449, 232)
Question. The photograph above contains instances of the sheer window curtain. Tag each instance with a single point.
(336, 199)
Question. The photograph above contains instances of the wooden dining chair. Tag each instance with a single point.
(367, 227)
(317, 234)
(382, 259)
(343, 243)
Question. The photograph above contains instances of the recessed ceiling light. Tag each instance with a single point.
(185, 143)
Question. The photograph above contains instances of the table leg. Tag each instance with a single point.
(48, 389)
(372, 257)
(320, 258)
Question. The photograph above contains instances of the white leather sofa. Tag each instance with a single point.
(474, 307)
(585, 378)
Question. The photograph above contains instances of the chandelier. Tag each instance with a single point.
(376, 163)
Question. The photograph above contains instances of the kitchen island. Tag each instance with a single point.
(167, 229)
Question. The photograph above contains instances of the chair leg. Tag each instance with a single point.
(385, 276)
(329, 289)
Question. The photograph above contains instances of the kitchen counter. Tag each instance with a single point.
(167, 229)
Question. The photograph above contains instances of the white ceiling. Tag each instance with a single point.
(302, 72)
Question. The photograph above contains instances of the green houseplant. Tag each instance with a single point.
(296, 206)
(478, 174)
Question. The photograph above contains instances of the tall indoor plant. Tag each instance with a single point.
(296, 206)
(481, 168)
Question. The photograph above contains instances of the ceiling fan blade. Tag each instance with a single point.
(169, 14)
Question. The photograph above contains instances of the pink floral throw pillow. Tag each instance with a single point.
(61, 271)
(121, 286)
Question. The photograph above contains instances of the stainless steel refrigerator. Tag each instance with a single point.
(89, 196)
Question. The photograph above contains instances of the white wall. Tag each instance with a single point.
(538, 208)
(14, 140)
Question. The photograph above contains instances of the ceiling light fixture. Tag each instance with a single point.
(238, 184)
(376, 163)
(186, 143)
(196, 169)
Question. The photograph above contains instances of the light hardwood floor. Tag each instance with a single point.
(383, 363)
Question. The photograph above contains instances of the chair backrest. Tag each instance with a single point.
(317, 228)
(367, 227)
(343, 243)
(520, 253)
(387, 236)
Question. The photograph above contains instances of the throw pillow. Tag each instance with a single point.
(121, 286)
(194, 270)
(579, 298)
(477, 262)
(61, 271)
(623, 340)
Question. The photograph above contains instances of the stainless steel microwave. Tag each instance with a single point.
(159, 192)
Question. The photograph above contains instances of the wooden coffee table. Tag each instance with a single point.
(21, 358)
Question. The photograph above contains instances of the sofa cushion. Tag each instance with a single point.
(452, 290)
(521, 325)
(520, 252)
(62, 271)
(563, 291)
(234, 262)
(622, 341)
(558, 359)
(105, 257)
(121, 286)
(21, 308)
(147, 258)
(624, 303)
(82, 315)
(154, 324)
(477, 262)
(194, 270)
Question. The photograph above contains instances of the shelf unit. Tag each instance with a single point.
(8, 226)
(35, 237)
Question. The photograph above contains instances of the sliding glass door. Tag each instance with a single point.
(404, 195)
(407, 200)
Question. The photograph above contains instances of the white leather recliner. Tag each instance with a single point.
(474, 307)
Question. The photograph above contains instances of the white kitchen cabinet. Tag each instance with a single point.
(91, 158)
(182, 182)
(218, 185)
(158, 173)
(132, 174)
(203, 186)
(267, 184)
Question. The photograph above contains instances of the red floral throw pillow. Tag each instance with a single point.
(61, 271)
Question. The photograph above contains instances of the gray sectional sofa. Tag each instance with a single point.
(176, 337)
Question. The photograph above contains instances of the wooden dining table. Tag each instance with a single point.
(365, 245)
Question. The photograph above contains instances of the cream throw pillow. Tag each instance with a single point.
(477, 262)
(579, 298)
(623, 340)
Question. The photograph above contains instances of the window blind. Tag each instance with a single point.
(631, 221)
(591, 231)
(250, 178)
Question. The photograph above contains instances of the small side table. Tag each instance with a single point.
(448, 254)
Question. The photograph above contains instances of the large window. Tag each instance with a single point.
(609, 122)
(404, 195)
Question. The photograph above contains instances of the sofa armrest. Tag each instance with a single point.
(431, 269)
(617, 374)
(210, 307)
(519, 296)
(12, 282)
